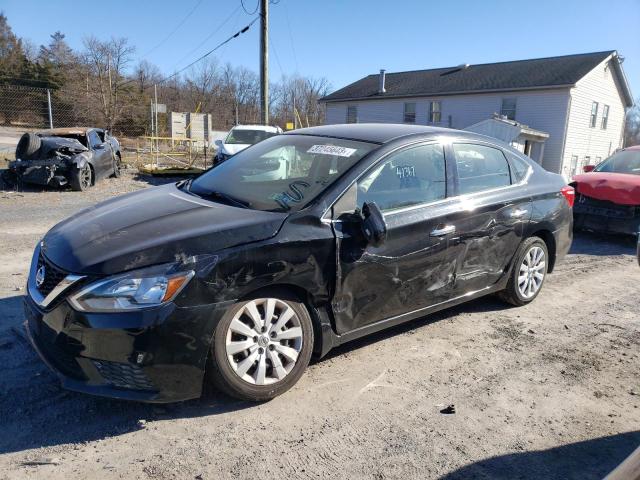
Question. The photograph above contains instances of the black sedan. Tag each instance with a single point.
(238, 278)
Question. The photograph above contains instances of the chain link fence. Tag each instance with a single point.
(28, 109)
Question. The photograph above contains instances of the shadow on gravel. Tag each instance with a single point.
(592, 459)
(36, 412)
(592, 243)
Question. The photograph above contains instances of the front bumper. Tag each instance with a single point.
(156, 355)
(41, 172)
(605, 216)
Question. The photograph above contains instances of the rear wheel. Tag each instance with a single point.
(117, 165)
(80, 178)
(262, 346)
(528, 273)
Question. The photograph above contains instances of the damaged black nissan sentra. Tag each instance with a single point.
(294, 246)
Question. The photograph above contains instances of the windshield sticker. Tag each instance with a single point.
(294, 195)
(332, 150)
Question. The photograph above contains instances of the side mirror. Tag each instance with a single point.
(218, 143)
(588, 168)
(99, 146)
(374, 228)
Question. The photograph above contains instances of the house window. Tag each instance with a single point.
(508, 108)
(409, 113)
(574, 165)
(435, 112)
(598, 160)
(352, 114)
(605, 117)
(594, 114)
(587, 160)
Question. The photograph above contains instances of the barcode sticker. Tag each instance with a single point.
(332, 150)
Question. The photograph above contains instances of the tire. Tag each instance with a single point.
(117, 166)
(81, 178)
(28, 146)
(252, 373)
(523, 287)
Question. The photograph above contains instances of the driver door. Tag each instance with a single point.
(413, 268)
(102, 158)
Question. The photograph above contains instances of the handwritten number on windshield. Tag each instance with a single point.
(293, 195)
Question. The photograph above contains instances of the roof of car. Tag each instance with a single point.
(265, 128)
(633, 147)
(65, 131)
(376, 132)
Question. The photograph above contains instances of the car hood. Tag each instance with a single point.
(620, 188)
(152, 226)
(233, 148)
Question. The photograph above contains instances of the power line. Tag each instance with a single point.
(208, 36)
(175, 29)
(247, 11)
(235, 35)
(293, 48)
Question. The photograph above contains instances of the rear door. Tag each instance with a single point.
(494, 207)
(413, 268)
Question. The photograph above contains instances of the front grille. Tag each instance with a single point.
(123, 375)
(52, 277)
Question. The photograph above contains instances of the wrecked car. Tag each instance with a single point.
(608, 195)
(75, 156)
(236, 279)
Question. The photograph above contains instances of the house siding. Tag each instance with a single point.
(544, 110)
(600, 86)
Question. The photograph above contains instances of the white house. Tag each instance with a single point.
(579, 101)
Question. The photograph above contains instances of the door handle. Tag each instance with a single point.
(518, 213)
(440, 232)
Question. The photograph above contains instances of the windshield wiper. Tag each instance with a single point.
(226, 197)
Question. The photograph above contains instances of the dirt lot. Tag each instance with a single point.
(551, 390)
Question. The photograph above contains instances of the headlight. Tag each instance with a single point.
(132, 291)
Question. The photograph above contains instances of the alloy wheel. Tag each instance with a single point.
(85, 176)
(532, 271)
(263, 341)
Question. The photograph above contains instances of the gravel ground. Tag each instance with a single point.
(550, 390)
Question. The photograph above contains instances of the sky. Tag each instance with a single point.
(344, 40)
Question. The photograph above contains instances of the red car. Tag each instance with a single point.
(608, 195)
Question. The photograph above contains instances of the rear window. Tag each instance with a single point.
(480, 168)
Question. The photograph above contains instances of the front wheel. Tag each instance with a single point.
(262, 346)
(80, 178)
(528, 273)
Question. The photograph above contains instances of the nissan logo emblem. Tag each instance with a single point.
(40, 274)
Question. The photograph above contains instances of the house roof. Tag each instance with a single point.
(536, 73)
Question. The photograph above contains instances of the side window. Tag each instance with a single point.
(519, 167)
(480, 168)
(94, 139)
(409, 177)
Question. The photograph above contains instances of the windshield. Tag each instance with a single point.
(626, 161)
(283, 173)
(244, 136)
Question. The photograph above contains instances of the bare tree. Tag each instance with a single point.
(107, 62)
(632, 125)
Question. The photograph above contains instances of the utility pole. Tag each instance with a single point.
(49, 104)
(264, 61)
